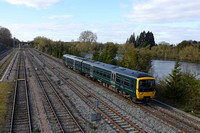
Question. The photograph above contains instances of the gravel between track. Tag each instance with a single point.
(145, 121)
(39, 118)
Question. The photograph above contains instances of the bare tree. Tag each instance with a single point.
(88, 36)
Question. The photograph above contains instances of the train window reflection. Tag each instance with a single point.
(147, 84)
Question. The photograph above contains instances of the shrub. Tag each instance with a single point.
(181, 88)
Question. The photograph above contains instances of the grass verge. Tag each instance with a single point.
(5, 90)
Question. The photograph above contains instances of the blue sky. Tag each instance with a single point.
(112, 20)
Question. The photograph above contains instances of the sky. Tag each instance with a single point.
(171, 21)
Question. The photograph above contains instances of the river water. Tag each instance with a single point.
(162, 68)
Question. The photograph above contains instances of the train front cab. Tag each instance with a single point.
(145, 88)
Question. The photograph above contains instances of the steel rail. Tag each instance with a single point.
(63, 104)
(98, 100)
(108, 107)
(5, 53)
(186, 123)
(17, 122)
(176, 118)
(129, 101)
(47, 99)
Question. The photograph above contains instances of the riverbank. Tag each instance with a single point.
(180, 90)
(178, 106)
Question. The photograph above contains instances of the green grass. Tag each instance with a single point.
(5, 89)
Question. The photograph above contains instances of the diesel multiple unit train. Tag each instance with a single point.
(138, 85)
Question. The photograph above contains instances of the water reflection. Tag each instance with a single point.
(161, 68)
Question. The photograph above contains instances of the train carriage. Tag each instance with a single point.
(78, 64)
(68, 60)
(73, 62)
(87, 68)
(139, 85)
(126, 84)
(102, 73)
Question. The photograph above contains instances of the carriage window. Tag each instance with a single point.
(118, 79)
(100, 72)
(126, 82)
(104, 74)
(108, 75)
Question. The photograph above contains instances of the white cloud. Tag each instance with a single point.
(59, 16)
(117, 33)
(33, 3)
(173, 34)
(123, 5)
(162, 11)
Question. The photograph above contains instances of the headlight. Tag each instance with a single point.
(141, 93)
(152, 92)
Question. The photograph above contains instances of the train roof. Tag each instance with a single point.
(122, 70)
(74, 57)
(117, 69)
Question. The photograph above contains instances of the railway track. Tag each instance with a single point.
(20, 119)
(5, 64)
(117, 121)
(173, 120)
(5, 53)
(187, 126)
(59, 115)
(154, 110)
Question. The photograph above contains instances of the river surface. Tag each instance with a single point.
(162, 68)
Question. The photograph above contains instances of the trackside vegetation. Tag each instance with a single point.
(5, 90)
(181, 90)
(188, 51)
(134, 56)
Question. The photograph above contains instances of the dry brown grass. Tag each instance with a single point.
(5, 90)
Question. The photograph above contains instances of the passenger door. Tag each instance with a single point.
(113, 78)
(133, 85)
